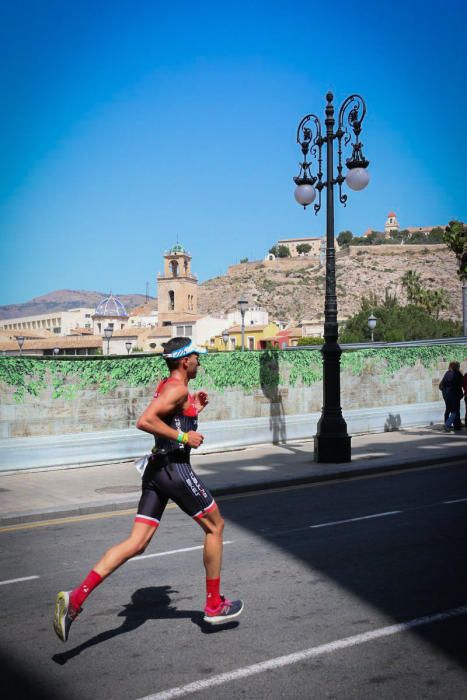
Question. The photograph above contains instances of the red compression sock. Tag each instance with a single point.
(213, 597)
(79, 595)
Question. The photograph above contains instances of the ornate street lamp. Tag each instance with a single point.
(225, 338)
(20, 341)
(242, 305)
(56, 351)
(128, 345)
(372, 326)
(108, 334)
(332, 443)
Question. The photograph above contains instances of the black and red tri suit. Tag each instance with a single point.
(169, 473)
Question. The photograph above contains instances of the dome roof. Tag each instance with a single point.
(391, 213)
(111, 307)
(177, 248)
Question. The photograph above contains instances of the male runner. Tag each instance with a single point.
(172, 418)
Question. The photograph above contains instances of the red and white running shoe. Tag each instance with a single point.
(225, 611)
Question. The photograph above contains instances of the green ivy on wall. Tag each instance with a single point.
(249, 371)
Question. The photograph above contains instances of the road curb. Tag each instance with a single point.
(337, 473)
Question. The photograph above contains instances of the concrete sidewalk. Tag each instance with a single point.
(30, 496)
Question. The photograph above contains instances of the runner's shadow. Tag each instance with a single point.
(153, 603)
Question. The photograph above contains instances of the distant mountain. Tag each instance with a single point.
(64, 299)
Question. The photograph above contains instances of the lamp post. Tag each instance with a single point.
(331, 442)
(108, 334)
(56, 351)
(20, 341)
(128, 345)
(225, 338)
(372, 326)
(242, 305)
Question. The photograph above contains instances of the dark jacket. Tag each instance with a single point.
(451, 385)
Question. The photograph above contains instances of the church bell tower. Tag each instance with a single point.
(177, 288)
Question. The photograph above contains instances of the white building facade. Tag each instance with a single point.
(58, 322)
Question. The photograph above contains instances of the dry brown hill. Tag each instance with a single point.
(292, 289)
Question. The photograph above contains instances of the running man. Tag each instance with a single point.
(172, 417)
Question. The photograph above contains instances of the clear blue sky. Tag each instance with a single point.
(128, 124)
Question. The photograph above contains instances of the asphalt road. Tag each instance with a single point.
(326, 571)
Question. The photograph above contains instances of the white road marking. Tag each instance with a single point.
(17, 580)
(173, 551)
(313, 652)
(458, 500)
(353, 520)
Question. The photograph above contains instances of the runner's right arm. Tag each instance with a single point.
(171, 400)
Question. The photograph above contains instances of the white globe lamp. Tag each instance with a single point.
(305, 194)
(357, 179)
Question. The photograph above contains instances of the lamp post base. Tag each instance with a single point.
(332, 448)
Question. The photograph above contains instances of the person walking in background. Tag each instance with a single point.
(451, 388)
(172, 417)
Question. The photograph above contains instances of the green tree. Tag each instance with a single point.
(396, 323)
(412, 283)
(303, 248)
(273, 250)
(432, 300)
(310, 340)
(436, 235)
(359, 240)
(283, 251)
(344, 239)
(416, 238)
(455, 237)
(244, 260)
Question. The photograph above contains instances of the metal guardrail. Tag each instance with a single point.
(461, 340)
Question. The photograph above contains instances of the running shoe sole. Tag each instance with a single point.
(62, 618)
(237, 609)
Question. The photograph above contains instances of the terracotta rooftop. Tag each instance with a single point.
(144, 309)
(67, 342)
(80, 331)
(26, 334)
(290, 332)
(238, 329)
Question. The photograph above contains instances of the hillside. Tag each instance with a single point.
(64, 299)
(293, 289)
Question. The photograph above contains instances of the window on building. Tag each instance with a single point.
(233, 342)
(57, 330)
(184, 331)
(174, 266)
(171, 300)
(251, 343)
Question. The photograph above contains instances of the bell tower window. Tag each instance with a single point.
(174, 266)
(171, 300)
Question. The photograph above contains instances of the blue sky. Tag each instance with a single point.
(127, 125)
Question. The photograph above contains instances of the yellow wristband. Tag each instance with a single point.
(185, 438)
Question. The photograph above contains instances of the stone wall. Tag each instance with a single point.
(90, 411)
